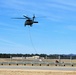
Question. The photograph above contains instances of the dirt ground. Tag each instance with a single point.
(34, 72)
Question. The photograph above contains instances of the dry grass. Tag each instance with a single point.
(34, 72)
(67, 62)
(45, 60)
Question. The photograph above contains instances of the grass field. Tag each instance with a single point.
(35, 72)
(36, 62)
(45, 60)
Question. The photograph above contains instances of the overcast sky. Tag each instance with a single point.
(54, 34)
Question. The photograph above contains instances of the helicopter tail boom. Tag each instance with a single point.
(35, 22)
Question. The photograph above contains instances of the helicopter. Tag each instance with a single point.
(29, 21)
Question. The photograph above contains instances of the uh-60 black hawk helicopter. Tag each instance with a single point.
(29, 21)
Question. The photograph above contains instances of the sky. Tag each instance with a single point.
(54, 34)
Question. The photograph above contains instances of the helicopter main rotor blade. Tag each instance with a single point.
(18, 18)
(34, 16)
(26, 17)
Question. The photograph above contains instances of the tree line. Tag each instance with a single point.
(46, 56)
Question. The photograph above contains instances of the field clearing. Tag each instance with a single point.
(44, 60)
(36, 62)
(35, 72)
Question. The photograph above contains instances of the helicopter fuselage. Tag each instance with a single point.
(30, 22)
